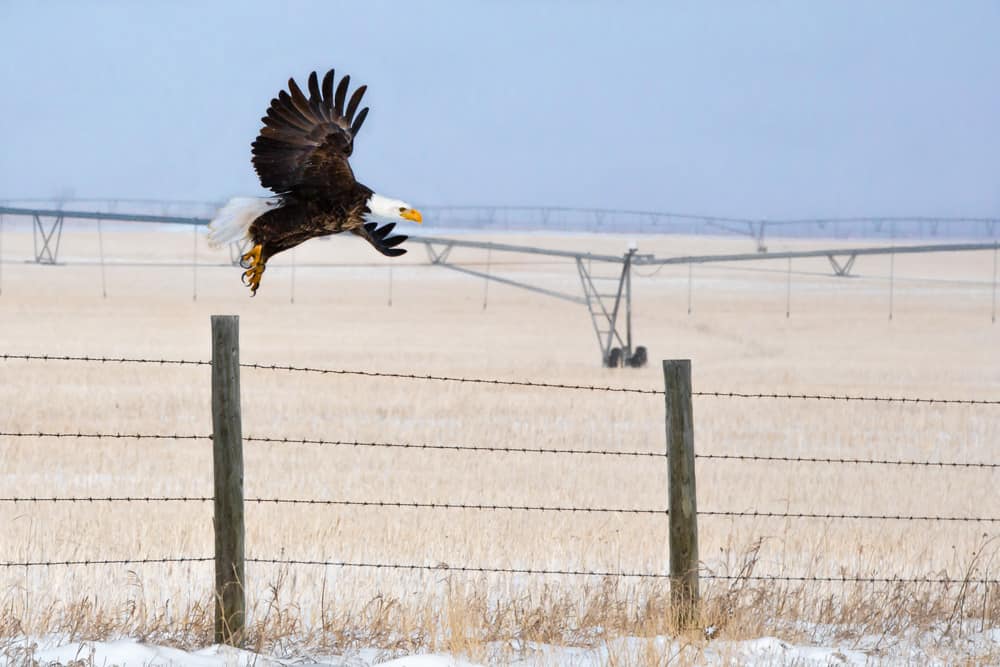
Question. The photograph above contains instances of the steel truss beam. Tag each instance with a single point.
(440, 258)
(842, 269)
(48, 251)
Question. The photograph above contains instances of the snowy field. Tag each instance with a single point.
(357, 314)
(976, 648)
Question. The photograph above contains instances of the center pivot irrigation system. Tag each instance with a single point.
(608, 298)
(606, 306)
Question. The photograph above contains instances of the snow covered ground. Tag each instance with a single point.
(977, 648)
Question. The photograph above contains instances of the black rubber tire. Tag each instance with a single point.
(638, 358)
(614, 359)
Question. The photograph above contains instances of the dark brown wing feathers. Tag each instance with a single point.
(305, 142)
(338, 104)
(380, 239)
(352, 106)
(328, 90)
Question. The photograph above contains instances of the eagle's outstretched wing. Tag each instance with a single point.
(379, 237)
(305, 142)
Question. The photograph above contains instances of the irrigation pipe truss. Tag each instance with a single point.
(500, 382)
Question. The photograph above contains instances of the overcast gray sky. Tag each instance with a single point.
(762, 109)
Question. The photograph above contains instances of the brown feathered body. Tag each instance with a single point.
(295, 222)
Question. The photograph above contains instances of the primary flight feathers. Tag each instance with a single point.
(297, 128)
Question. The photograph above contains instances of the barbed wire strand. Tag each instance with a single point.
(507, 449)
(444, 567)
(821, 459)
(464, 448)
(104, 360)
(450, 378)
(497, 381)
(105, 499)
(849, 579)
(334, 443)
(344, 503)
(616, 510)
(502, 449)
(880, 517)
(94, 561)
(847, 398)
(500, 507)
(105, 436)
(331, 371)
(460, 506)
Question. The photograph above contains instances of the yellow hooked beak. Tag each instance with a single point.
(412, 214)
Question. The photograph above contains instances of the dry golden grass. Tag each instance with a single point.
(838, 339)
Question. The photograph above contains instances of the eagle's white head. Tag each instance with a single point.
(384, 209)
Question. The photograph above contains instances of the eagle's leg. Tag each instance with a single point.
(254, 265)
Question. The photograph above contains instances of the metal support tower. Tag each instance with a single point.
(605, 309)
(609, 306)
(48, 251)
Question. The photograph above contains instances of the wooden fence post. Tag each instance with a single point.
(227, 449)
(681, 491)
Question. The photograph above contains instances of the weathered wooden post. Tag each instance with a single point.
(227, 448)
(681, 491)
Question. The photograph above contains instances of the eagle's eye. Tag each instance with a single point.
(402, 208)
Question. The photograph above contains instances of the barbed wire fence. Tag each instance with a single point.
(683, 573)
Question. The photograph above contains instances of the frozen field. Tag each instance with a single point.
(838, 339)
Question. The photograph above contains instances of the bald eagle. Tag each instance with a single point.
(301, 155)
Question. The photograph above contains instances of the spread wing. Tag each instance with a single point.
(305, 142)
(379, 237)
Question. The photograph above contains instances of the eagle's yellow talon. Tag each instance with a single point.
(251, 277)
(254, 268)
(251, 258)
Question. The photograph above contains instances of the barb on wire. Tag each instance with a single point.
(105, 436)
(461, 506)
(820, 459)
(122, 561)
(460, 448)
(845, 397)
(883, 517)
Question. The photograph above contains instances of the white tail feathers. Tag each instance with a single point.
(233, 220)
